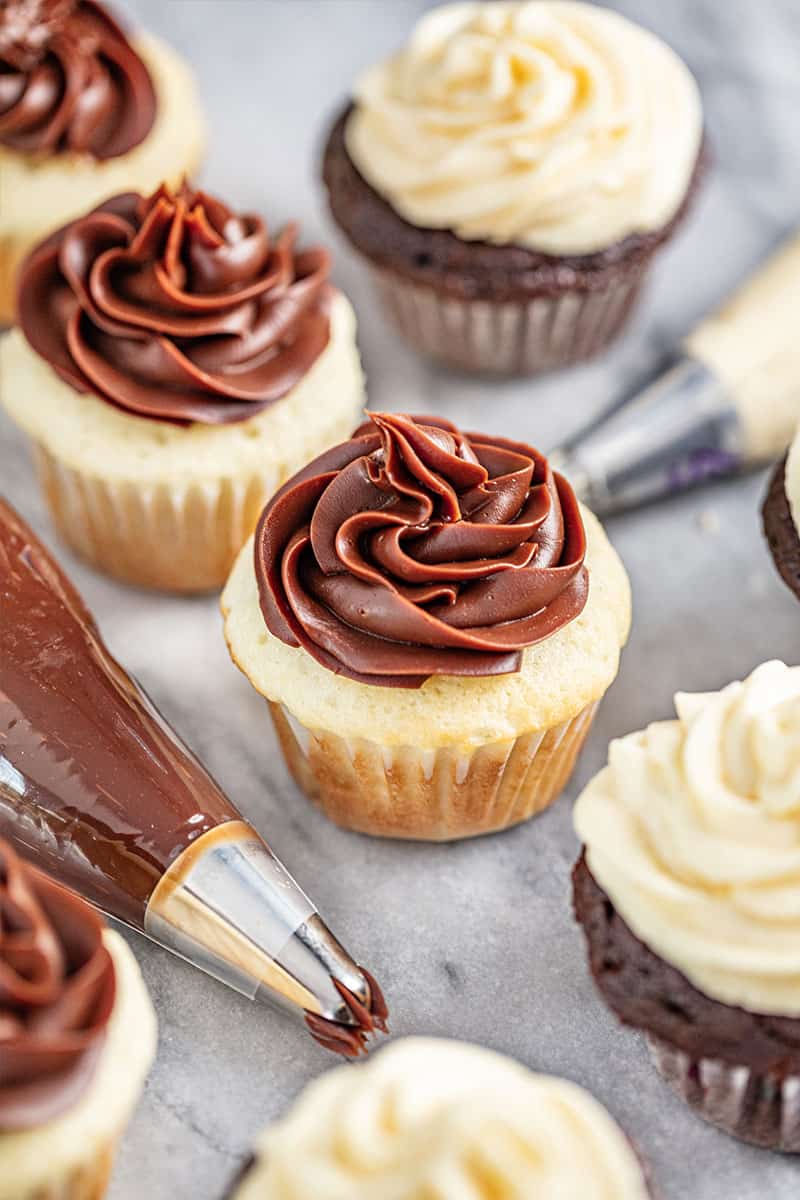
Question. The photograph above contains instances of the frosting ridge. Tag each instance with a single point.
(174, 307)
(57, 991)
(428, 1117)
(559, 126)
(415, 550)
(70, 81)
(693, 831)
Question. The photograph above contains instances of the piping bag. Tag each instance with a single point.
(98, 790)
(728, 404)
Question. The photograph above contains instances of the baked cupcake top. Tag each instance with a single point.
(173, 306)
(693, 832)
(70, 81)
(415, 550)
(558, 126)
(57, 992)
(429, 1117)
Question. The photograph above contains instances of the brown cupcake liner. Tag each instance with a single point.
(173, 537)
(761, 1109)
(515, 337)
(431, 794)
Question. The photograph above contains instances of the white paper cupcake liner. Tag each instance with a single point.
(175, 537)
(760, 1109)
(431, 794)
(508, 337)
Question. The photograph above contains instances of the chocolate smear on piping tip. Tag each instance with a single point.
(351, 1040)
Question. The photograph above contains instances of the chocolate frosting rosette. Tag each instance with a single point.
(175, 361)
(77, 1036)
(70, 81)
(416, 550)
(433, 619)
(57, 989)
(172, 306)
(86, 111)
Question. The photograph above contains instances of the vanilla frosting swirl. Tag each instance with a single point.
(693, 831)
(428, 1118)
(558, 126)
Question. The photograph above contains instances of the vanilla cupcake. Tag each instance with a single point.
(688, 894)
(77, 1038)
(510, 175)
(428, 1117)
(174, 364)
(85, 113)
(433, 620)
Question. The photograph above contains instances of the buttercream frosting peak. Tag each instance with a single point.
(693, 831)
(429, 1119)
(551, 124)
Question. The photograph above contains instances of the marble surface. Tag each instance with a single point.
(476, 940)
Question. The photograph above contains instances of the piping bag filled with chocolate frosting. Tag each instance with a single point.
(98, 790)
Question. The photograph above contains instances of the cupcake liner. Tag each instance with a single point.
(89, 1181)
(430, 794)
(175, 537)
(11, 255)
(520, 337)
(761, 1109)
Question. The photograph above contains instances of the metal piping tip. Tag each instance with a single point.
(228, 906)
(567, 464)
(680, 431)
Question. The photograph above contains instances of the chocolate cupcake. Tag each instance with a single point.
(429, 1117)
(85, 113)
(175, 363)
(510, 175)
(77, 1037)
(687, 894)
(781, 516)
(434, 621)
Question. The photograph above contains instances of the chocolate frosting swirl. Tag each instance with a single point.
(415, 550)
(174, 307)
(70, 81)
(57, 992)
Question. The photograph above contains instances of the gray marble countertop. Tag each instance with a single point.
(476, 940)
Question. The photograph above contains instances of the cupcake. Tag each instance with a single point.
(433, 620)
(510, 175)
(781, 516)
(174, 364)
(687, 893)
(77, 1038)
(84, 114)
(435, 1118)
